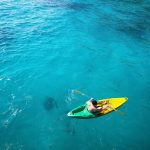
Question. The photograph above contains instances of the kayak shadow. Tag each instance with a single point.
(67, 124)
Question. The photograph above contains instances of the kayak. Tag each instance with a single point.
(83, 113)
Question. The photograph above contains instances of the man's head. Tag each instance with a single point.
(94, 102)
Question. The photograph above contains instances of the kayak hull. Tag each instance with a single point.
(83, 113)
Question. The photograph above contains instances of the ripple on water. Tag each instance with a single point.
(40, 55)
(6, 37)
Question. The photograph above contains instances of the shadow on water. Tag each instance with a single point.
(5, 37)
(137, 22)
(50, 103)
(70, 129)
(137, 27)
(127, 1)
(67, 124)
(137, 30)
(68, 5)
(128, 18)
(133, 31)
(77, 6)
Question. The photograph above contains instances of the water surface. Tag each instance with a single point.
(48, 48)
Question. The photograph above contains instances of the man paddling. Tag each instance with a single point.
(91, 104)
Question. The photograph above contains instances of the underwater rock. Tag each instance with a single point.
(50, 103)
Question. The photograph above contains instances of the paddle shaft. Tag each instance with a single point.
(120, 112)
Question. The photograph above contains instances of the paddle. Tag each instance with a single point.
(80, 93)
(116, 110)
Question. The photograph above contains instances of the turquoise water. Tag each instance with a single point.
(48, 48)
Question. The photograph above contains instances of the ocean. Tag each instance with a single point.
(49, 48)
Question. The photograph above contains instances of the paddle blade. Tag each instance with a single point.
(120, 112)
(116, 110)
(78, 92)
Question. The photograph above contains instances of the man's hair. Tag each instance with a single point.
(94, 102)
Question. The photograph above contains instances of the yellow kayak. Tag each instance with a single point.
(111, 105)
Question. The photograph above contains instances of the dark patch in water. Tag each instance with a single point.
(73, 5)
(69, 128)
(137, 22)
(132, 20)
(78, 6)
(66, 112)
(5, 37)
(124, 12)
(137, 29)
(66, 123)
(137, 25)
(135, 32)
(50, 103)
(127, 1)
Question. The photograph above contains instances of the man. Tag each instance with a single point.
(91, 104)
